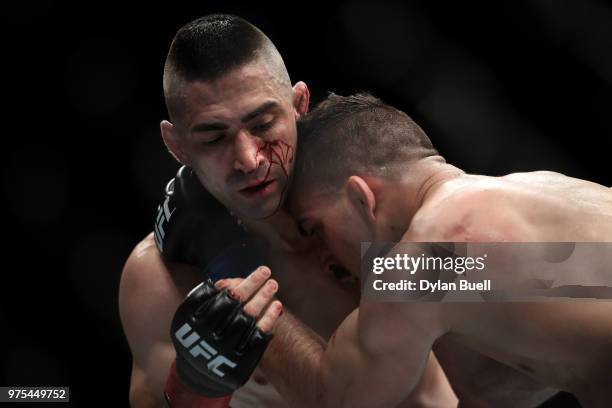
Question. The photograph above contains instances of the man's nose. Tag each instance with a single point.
(247, 154)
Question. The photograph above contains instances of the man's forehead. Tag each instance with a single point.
(238, 89)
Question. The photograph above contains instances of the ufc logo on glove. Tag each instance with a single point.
(202, 349)
(217, 345)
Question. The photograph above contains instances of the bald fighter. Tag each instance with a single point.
(232, 125)
(366, 172)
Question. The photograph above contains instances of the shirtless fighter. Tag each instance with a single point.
(366, 172)
(233, 125)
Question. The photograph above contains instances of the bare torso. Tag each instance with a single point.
(557, 207)
(563, 344)
(153, 287)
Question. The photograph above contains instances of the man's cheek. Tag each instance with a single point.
(287, 134)
(336, 248)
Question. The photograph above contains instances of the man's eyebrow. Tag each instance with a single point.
(212, 126)
(263, 108)
(206, 127)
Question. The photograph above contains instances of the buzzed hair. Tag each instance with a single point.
(356, 135)
(211, 46)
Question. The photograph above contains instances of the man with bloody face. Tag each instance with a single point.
(233, 121)
(232, 124)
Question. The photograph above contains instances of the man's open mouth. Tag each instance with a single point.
(256, 188)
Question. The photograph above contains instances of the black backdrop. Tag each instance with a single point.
(499, 87)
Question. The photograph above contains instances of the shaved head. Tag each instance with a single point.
(212, 46)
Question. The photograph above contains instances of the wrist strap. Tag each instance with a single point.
(178, 395)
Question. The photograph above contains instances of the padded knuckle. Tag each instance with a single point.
(238, 331)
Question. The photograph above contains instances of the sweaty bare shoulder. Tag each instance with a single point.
(564, 208)
(150, 284)
(520, 207)
(149, 293)
(470, 209)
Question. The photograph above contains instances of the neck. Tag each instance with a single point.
(279, 229)
(399, 201)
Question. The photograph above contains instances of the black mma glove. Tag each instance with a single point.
(217, 345)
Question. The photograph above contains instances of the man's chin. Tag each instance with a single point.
(260, 209)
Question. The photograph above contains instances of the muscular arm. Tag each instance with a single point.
(370, 361)
(292, 361)
(148, 297)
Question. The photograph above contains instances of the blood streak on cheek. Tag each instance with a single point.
(332, 340)
(279, 153)
(276, 152)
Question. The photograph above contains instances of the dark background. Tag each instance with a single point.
(499, 87)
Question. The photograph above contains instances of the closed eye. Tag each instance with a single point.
(213, 141)
(263, 126)
(305, 232)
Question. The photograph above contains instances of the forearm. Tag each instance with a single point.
(433, 390)
(179, 395)
(309, 373)
(292, 363)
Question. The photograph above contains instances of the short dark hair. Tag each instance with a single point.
(353, 135)
(210, 46)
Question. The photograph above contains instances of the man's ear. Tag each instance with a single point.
(362, 196)
(173, 142)
(301, 99)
